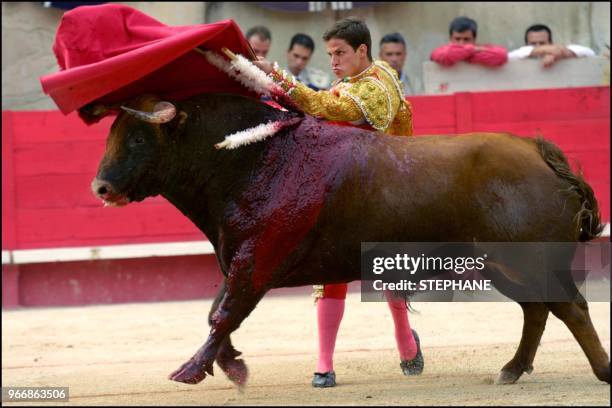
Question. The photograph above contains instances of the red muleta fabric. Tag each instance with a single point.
(112, 53)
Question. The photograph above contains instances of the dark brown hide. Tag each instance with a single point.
(292, 210)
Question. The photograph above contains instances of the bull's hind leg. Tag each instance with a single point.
(510, 282)
(235, 369)
(534, 321)
(576, 317)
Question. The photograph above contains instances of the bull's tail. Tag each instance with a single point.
(588, 217)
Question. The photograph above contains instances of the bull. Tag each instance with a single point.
(292, 209)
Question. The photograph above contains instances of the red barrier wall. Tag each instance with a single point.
(49, 160)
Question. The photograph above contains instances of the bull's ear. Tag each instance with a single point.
(163, 112)
(176, 126)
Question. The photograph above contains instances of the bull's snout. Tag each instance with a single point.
(105, 191)
(101, 189)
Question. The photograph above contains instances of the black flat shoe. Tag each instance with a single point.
(414, 366)
(324, 380)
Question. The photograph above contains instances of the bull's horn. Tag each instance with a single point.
(162, 112)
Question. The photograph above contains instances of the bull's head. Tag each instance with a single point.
(132, 166)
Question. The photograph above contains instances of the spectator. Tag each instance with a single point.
(539, 44)
(260, 39)
(300, 50)
(463, 47)
(393, 51)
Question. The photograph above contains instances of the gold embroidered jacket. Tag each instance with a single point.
(374, 96)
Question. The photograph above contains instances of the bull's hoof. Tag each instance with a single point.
(508, 376)
(603, 374)
(189, 373)
(236, 371)
(512, 371)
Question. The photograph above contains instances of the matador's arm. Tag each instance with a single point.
(325, 104)
(365, 99)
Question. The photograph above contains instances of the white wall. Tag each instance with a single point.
(516, 74)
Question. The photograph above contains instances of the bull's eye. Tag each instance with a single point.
(137, 139)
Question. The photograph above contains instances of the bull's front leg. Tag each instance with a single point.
(238, 302)
(235, 368)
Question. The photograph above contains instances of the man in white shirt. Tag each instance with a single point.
(538, 38)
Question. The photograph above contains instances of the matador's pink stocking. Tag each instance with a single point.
(403, 335)
(329, 316)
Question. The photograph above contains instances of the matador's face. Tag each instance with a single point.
(345, 61)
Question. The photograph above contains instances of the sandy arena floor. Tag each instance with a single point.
(122, 354)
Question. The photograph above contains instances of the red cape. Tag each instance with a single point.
(111, 53)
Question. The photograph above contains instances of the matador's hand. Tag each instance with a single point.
(263, 64)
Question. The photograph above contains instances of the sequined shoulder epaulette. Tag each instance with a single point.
(378, 95)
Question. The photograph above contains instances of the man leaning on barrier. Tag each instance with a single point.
(539, 44)
(463, 47)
